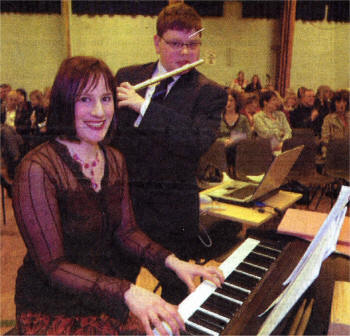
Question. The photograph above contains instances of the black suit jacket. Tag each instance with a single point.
(162, 154)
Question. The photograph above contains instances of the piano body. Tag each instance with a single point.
(254, 274)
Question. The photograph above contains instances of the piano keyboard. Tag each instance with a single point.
(208, 310)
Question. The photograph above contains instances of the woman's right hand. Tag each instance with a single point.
(152, 310)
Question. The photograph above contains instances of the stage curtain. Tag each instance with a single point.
(286, 50)
(338, 11)
(311, 10)
(20, 6)
(137, 7)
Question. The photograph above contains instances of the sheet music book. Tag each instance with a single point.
(310, 264)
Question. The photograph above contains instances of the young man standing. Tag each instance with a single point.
(164, 135)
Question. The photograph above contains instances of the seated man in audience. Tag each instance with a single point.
(305, 115)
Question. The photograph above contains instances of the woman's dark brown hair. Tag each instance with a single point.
(75, 75)
(338, 96)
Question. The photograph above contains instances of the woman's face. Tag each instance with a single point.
(340, 106)
(231, 104)
(93, 113)
(272, 104)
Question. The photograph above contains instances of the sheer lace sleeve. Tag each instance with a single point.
(38, 217)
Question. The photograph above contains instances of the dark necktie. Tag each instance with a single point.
(161, 89)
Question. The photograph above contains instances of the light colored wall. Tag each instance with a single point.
(32, 47)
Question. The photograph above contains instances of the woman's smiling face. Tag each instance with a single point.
(94, 110)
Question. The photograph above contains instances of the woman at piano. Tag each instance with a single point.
(72, 206)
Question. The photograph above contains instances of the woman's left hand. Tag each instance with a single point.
(187, 272)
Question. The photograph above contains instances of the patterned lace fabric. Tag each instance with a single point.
(84, 247)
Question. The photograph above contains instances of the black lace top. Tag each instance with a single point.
(82, 244)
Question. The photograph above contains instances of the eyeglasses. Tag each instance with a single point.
(177, 45)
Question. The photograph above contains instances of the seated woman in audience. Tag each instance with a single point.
(271, 123)
(254, 85)
(234, 126)
(240, 82)
(72, 206)
(250, 106)
(336, 125)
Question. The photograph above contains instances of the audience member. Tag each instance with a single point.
(305, 115)
(254, 85)
(250, 106)
(323, 101)
(4, 90)
(289, 103)
(336, 125)
(271, 123)
(239, 83)
(163, 138)
(234, 126)
(37, 118)
(72, 206)
(11, 140)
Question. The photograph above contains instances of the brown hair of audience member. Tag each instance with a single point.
(237, 97)
(178, 16)
(338, 96)
(301, 92)
(265, 96)
(72, 78)
(323, 93)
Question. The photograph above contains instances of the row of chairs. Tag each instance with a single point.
(253, 157)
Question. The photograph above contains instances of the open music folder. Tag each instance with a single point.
(310, 264)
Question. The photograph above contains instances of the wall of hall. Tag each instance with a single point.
(32, 47)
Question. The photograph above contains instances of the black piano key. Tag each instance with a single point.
(276, 245)
(242, 280)
(207, 321)
(193, 330)
(232, 292)
(267, 252)
(220, 306)
(251, 269)
(258, 260)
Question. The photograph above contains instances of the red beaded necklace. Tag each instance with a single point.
(89, 167)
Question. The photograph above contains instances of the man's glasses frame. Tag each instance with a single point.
(178, 45)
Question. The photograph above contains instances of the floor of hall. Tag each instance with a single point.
(12, 251)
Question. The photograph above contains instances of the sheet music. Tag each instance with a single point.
(310, 264)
